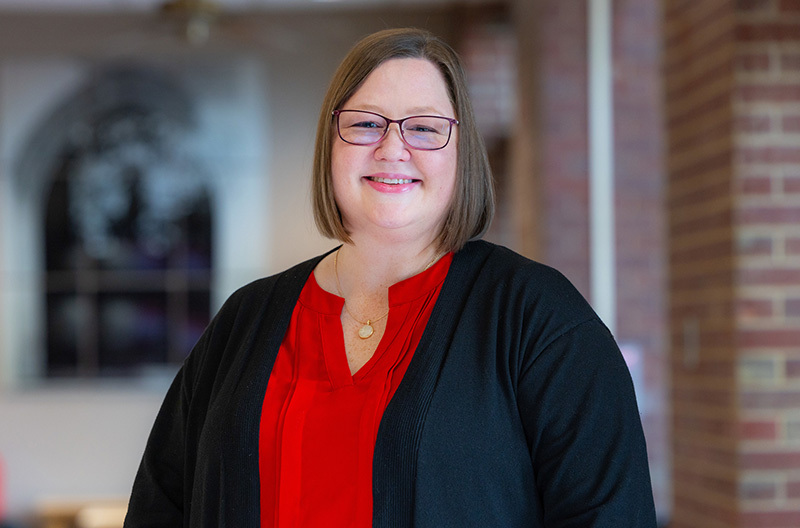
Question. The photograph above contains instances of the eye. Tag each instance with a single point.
(426, 125)
(366, 123)
(421, 128)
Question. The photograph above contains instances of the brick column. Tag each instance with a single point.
(766, 188)
(732, 72)
(698, 54)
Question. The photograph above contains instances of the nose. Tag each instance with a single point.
(392, 147)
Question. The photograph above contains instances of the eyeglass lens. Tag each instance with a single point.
(420, 132)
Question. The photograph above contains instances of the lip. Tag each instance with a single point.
(384, 182)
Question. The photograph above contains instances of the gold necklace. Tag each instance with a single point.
(366, 330)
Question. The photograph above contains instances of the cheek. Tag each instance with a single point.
(338, 168)
(449, 170)
(345, 160)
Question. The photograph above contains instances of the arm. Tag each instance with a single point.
(158, 490)
(585, 437)
(163, 484)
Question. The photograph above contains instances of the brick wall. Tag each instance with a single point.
(564, 164)
(489, 52)
(766, 189)
(698, 81)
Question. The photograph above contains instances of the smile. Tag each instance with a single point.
(390, 181)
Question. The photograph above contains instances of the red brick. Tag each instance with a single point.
(769, 154)
(793, 246)
(713, 426)
(776, 459)
(705, 480)
(774, 338)
(710, 397)
(793, 368)
(792, 307)
(676, 38)
(793, 489)
(767, 32)
(755, 185)
(754, 308)
(791, 185)
(700, 512)
(753, 62)
(754, 32)
(791, 123)
(790, 62)
(775, 93)
(754, 5)
(786, 399)
(769, 215)
(753, 124)
(759, 430)
(703, 253)
(711, 221)
(770, 277)
(712, 191)
(789, 6)
(770, 519)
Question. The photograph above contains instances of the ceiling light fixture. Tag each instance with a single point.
(197, 17)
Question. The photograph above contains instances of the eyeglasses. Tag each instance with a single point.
(359, 127)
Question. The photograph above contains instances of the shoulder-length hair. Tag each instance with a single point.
(472, 206)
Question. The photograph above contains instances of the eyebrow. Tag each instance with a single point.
(417, 110)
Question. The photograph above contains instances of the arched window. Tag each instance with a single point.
(128, 237)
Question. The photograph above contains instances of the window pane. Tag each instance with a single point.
(133, 331)
(66, 317)
(196, 321)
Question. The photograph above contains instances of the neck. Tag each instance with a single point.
(369, 266)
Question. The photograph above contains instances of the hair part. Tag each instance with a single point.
(472, 206)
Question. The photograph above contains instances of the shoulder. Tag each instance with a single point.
(254, 313)
(518, 293)
(284, 285)
(497, 267)
(504, 261)
(269, 298)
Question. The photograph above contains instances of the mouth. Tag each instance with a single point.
(391, 181)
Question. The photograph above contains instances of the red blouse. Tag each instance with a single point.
(318, 422)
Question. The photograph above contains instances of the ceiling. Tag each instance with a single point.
(120, 6)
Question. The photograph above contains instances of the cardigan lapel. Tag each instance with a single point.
(399, 433)
(240, 449)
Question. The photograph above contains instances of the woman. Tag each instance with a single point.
(414, 376)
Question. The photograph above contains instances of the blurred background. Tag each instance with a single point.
(155, 155)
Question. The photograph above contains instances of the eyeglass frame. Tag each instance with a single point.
(451, 120)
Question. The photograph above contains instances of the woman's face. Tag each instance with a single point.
(389, 189)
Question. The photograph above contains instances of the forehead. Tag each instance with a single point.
(402, 87)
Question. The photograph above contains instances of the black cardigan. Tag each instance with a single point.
(517, 410)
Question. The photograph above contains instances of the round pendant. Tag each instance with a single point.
(365, 331)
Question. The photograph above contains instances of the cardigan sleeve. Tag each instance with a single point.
(162, 488)
(587, 447)
(157, 496)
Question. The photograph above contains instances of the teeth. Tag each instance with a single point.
(391, 181)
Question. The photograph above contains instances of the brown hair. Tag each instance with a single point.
(472, 207)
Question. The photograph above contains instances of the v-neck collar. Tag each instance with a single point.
(329, 306)
(407, 290)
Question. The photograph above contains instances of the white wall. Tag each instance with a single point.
(73, 442)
